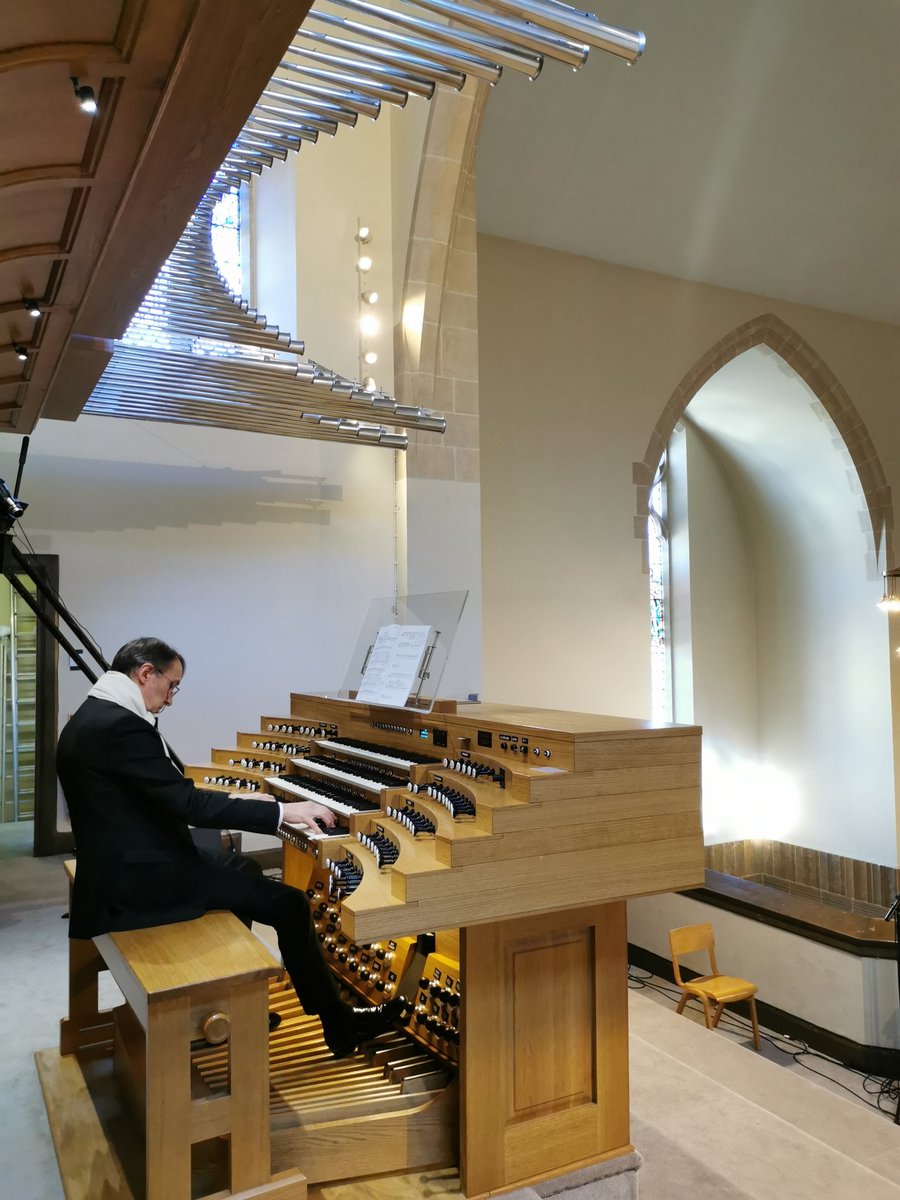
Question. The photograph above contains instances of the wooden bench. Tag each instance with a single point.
(206, 978)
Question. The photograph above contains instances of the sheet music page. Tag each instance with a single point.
(393, 665)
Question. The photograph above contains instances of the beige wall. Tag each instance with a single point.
(578, 361)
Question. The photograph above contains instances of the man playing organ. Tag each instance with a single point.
(137, 865)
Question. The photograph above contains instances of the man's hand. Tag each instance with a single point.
(308, 813)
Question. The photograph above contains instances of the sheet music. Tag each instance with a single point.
(394, 663)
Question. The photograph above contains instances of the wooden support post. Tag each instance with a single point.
(545, 1046)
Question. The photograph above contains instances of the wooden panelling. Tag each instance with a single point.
(831, 878)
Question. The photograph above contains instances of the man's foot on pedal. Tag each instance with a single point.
(363, 1025)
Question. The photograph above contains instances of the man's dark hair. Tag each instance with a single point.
(134, 654)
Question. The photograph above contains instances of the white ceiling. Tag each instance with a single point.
(755, 145)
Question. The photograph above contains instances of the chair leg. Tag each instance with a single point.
(720, 1008)
(754, 1022)
(707, 1012)
(682, 1002)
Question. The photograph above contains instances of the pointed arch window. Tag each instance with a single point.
(658, 563)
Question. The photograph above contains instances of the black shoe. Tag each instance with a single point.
(365, 1024)
(274, 1021)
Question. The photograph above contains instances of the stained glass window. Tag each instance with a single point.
(226, 239)
(658, 561)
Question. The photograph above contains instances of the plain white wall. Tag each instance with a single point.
(255, 556)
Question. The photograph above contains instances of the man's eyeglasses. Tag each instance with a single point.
(174, 687)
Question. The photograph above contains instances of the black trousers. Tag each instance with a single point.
(229, 883)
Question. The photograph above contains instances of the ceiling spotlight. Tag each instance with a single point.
(370, 358)
(369, 325)
(363, 234)
(369, 384)
(32, 307)
(84, 94)
(365, 263)
(369, 297)
(21, 353)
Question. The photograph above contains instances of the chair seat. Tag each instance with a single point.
(721, 988)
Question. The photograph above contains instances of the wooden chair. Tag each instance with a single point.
(714, 989)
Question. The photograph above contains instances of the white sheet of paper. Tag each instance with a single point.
(393, 666)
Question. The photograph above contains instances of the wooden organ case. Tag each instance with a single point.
(481, 866)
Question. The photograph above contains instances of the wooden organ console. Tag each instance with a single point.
(480, 867)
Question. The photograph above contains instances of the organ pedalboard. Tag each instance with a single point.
(479, 867)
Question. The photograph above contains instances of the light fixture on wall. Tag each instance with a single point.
(369, 324)
(890, 601)
(32, 307)
(21, 353)
(84, 94)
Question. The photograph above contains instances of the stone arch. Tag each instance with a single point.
(771, 331)
(436, 363)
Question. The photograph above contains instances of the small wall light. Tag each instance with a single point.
(21, 353)
(369, 297)
(363, 234)
(32, 307)
(364, 264)
(369, 384)
(368, 325)
(370, 358)
(890, 601)
(84, 94)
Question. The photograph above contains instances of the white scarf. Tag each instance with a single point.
(122, 690)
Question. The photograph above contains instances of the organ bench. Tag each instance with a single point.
(482, 864)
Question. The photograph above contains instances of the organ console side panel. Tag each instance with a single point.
(544, 1058)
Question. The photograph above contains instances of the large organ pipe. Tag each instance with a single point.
(291, 117)
(408, 82)
(357, 85)
(400, 59)
(503, 36)
(469, 64)
(340, 97)
(317, 108)
(580, 26)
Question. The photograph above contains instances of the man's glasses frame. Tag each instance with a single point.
(174, 687)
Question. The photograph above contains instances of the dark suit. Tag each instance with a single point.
(137, 864)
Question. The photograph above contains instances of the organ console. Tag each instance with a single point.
(480, 867)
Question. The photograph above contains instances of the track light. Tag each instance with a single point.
(368, 325)
(32, 307)
(370, 358)
(21, 353)
(369, 297)
(369, 384)
(363, 234)
(84, 94)
(364, 264)
(890, 601)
